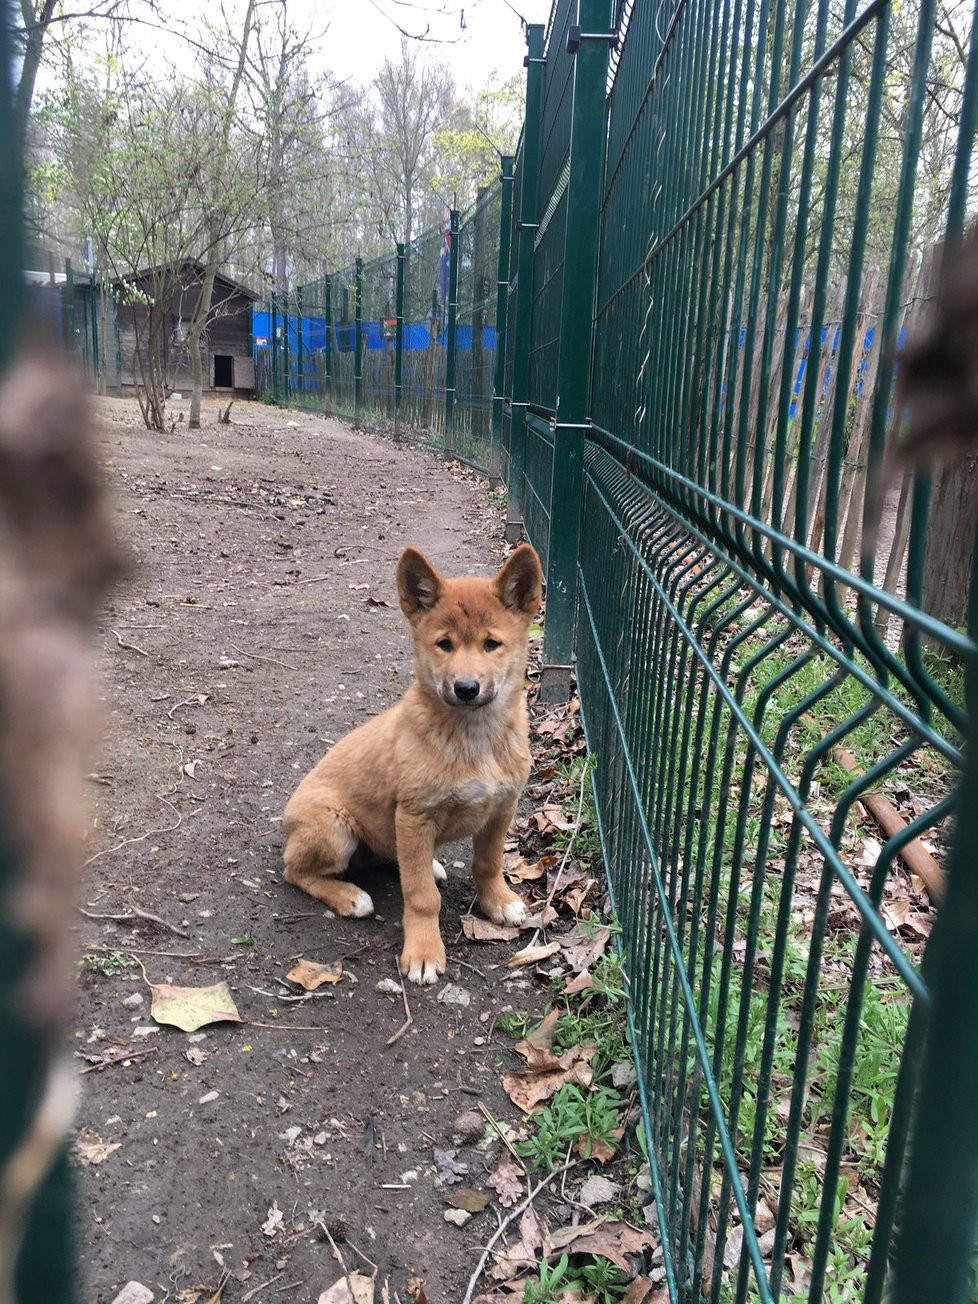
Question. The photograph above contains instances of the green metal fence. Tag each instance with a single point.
(405, 344)
(725, 213)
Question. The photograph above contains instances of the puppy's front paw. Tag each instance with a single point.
(361, 905)
(423, 962)
(505, 908)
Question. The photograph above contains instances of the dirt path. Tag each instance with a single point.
(263, 624)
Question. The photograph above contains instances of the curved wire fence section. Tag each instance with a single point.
(768, 615)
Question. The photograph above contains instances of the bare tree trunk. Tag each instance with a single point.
(202, 311)
(196, 331)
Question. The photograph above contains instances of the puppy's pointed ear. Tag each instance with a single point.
(418, 583)
(520, 582)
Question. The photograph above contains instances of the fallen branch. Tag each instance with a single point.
(506, 1222)
(407, 1009)
(914, 855)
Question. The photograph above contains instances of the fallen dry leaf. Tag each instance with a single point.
(523, 1254)
(611, 1240)
(532, 955)
(340, 1293)
(521, 872)
(191, 1008)
(483, 930)
(579, 983)
(592, 1147)
(195, 1055)
(547, 1074)
(581, 951)
(89, 1148)
(507, 1182)
(895, 913)
(642, 1291)
(542, 1036)
(310, 974)
(415, 1289)
(467, 1199)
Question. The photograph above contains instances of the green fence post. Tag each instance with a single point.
(399, 342)
(299, 384)
(574, 364)
(37, 1261)
(526, 227)
(71, 343)
(93, 314)
(502, 303)
(286, 369)
(328, 342)
(358, 344)
(274, 334)
(451, 341)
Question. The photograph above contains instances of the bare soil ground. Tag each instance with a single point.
(258, 624)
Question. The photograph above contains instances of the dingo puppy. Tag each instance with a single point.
(448, 761)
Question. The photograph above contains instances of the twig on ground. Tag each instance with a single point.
(506, 1142)
(369, 1262)
(407, 1009)
(151, 833)
(119, 1059)
(511, 1218)
(134, 950)
(190, 701)
(336, 1250)
(289, 1027)
(255, 657)
(136, 913)
(130, 647)
(255, 1289)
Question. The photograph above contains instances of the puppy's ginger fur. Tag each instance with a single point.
(448, 761)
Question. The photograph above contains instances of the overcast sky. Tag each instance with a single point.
(362, 34)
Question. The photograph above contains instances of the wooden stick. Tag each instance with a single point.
(407, 1009)
(517, 1213)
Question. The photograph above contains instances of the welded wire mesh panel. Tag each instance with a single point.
(511, 333)
(478, 267)
(425, 324)
(343, 334)
(378, 321)
(313, 383)
(549, 245)
(777, 185)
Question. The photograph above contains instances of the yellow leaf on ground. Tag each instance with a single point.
(191, 1008)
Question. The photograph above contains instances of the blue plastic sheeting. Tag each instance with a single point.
(416, 334)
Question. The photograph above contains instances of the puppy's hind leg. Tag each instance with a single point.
(318, 849)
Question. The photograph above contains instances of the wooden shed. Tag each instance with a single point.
(159, 304)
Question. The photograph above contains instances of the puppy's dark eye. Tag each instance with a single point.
(491, 644)
(445, 644)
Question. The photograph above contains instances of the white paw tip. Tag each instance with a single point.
(439, 871)
(361, 906)
(514, 913)
(424, 973)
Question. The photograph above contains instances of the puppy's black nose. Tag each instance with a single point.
(466, 690)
